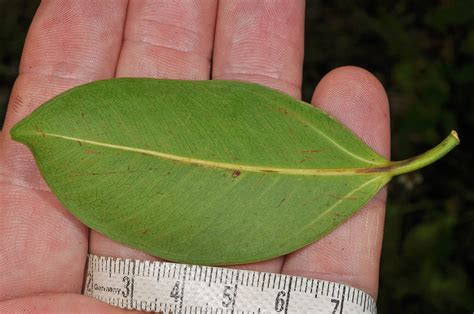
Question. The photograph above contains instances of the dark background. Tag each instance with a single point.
(422, 51)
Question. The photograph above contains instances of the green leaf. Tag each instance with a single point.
(208, 172)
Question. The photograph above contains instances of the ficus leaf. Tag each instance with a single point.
(206, 172)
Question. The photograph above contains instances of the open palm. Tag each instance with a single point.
(43, 248)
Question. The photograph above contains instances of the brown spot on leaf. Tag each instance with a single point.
(235, 173)
(281, 202)
(40, 131)
(90, 152)
(306, 159)
(283, 110)
(311, 151)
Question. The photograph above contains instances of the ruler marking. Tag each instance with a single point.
(342, 299)
(274, 280)
(160, 267)
(210, 277)
(311, 288)
(317, 288)
(205, 273)
(132, 288)
(215, 277)
(365, 300)
(263, 281)
(181, 296)
(235, 290)
(288, 295)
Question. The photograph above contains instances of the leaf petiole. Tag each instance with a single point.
(422, 160)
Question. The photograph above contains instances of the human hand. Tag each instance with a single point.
(74, 42)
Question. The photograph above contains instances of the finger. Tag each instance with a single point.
(43, 248)
(163, 39)
(168, 39)
(351, 253)
(262, 42)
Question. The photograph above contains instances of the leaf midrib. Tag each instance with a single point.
(228, 166)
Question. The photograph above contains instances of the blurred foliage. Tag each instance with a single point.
(422, 51)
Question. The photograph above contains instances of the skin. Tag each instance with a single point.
(74, 42)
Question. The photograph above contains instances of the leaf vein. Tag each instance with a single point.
(221, 165)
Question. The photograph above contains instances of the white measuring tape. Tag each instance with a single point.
(183, 288)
